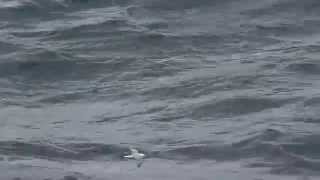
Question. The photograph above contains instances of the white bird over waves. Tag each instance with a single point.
(135, 155)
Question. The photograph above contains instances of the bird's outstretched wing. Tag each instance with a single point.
(129, 156)
(133, 151)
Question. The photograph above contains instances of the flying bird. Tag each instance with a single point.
(137, 156)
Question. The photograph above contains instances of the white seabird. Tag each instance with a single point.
(136, 155)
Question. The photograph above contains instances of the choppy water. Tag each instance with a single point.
(208, 89)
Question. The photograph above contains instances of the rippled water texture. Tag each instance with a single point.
(207, 89)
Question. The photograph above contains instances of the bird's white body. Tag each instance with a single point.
(135, 155)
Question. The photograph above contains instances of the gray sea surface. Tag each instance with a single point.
(207, 89)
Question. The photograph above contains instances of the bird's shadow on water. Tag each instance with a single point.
(139, 163)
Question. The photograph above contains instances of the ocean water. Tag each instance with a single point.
(207, 89)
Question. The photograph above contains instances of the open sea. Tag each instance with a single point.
(206, 89)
